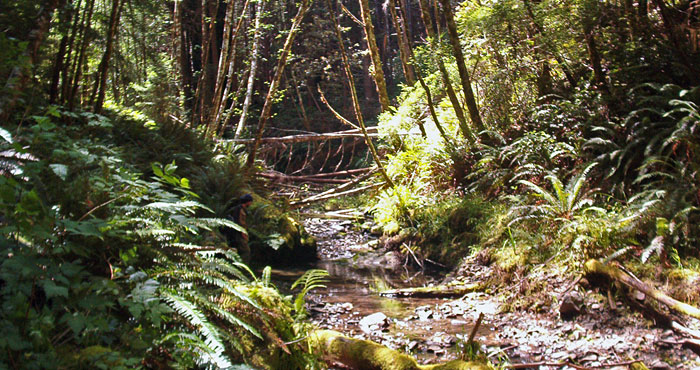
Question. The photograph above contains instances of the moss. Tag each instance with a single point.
(363, 354)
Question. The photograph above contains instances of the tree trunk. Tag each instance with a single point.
(456, 105)
(281, 63)
(377, 71)
(595, 268)
(224, 57)
(677, 41)
(255, 54)
(462, 66)
(80, 60)
(404, 46)
(552, 49)
(20, 75)
(353, 93)
(224, 121)
(101, 81)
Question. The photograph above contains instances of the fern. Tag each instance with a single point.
(197, 319)
(311, 279)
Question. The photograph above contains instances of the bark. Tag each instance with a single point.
(80, 60)
(103, 69)
(306, 179)
(462, 68)
(224, 57)
(377, 71)
(595, 268)
(60, 59)
(353, 94)
(255, 53)
(404, 47)
(361, 354)
(371, 132)
(456, 105)
(281, 63)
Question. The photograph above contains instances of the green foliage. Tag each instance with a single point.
(311, 279)
(106, 266)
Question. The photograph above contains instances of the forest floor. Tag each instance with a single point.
(434, 330)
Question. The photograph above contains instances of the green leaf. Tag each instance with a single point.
(53, 290)
(61, 170)
(5, 135)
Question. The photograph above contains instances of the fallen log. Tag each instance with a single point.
(596, 268)
(439, 291)
(372, 132)
(286, 178)
(361, 354)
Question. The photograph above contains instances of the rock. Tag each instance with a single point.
(659, 365)
(374, 322)
(570, 306)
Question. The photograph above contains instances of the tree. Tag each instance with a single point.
(461, 65)
(274, 84)
(370, 38)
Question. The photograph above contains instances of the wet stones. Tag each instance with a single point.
(374, 323)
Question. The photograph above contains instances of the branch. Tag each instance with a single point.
(335, 113)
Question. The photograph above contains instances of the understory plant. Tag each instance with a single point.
(105, 266)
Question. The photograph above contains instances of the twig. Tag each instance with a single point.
(475, 328)
(99, 206)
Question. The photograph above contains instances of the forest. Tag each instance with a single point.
(436, 184)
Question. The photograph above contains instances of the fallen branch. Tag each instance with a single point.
(332, 215)
(336, 190)
(361, 354)
(439, 291)
(595, 267)
(336, 195)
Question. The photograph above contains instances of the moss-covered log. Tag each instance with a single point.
(596, 268)
(366, 355)
(439, 291)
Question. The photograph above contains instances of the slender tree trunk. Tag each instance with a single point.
(20, 75)
(456, 105)
(377, 71)
(281, 63)
(307, 124)
(353, 93)
(677, 41)
(80, 60)
(69, 56)
(103, 70)
(224, 56)
(462, 66)
(552, 49)
(402, 37)
(255, 54)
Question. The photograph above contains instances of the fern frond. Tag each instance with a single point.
(197, 319)
(656, 246)
(211, 279)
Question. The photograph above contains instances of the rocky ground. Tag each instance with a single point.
(594, 335)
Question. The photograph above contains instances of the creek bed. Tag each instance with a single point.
(429, 328)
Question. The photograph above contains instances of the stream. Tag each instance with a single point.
(430, 329)
(433, 330)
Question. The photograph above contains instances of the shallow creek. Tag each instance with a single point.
(428, 328)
